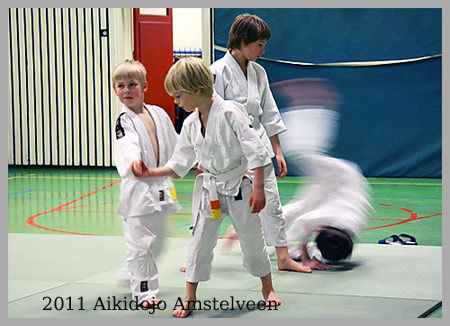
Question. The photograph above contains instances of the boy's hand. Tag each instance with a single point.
(279, 158)
(315, 264)
(257, 200)
(282, 166)
(140, 169)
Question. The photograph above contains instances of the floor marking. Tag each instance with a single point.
(94, 212)
(33, 176)
(71, 177)
(413, 217)
(385, 219)
(21, 192)
(70, 209)
(31, 219)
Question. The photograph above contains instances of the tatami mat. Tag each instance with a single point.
(380, 280)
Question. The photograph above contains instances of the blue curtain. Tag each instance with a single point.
(391, 115)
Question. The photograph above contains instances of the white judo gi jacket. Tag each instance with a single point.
(230, 148)
(144, 196)
(338, 197)
(253, 92)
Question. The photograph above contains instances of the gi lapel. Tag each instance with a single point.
(160, 133)
(253, 107)
(238, 74)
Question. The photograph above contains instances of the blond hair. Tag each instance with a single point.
(187, 75)
(130, 69)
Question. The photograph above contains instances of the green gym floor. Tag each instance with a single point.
(65, 248)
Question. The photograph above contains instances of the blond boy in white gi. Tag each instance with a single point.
(218, 136)
(239, 78)
(143, 133)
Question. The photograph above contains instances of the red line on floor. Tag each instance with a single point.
(76, 206)
(96, 212)
(413, 217)
(419, 218)
(31, 219)
(385, 219)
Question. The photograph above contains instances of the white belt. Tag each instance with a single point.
(207, 181)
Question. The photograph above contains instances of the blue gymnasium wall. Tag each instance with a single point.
(391, 116)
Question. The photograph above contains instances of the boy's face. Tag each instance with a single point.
(253, 50)
(187, 101)
(130, 92)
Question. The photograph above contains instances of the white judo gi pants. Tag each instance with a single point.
(272, 217)
(144, 237)
(206, 232)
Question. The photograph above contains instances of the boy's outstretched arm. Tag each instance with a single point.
(258, 199)
(141, 170)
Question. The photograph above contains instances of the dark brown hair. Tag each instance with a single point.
(334, 244)
(247, 28)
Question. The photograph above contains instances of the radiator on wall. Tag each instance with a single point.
(61, 107)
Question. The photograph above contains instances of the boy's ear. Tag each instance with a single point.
(145, 86)
(198, 91)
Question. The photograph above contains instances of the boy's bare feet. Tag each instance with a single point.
(153, 302)
(291, 265)
(271, 298)
(286, 263)
(268, 292)
(186, 310)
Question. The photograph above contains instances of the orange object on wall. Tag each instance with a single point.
(153, 47)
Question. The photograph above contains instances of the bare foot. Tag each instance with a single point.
(186, 310)
(271, 299)
(154, 302)
(183, 269)
(288, 264)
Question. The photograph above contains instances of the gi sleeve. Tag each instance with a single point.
(183, 157)
(271, 118)
(251, 145)
(126, 146)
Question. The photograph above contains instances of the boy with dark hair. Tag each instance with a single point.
(239, 78)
